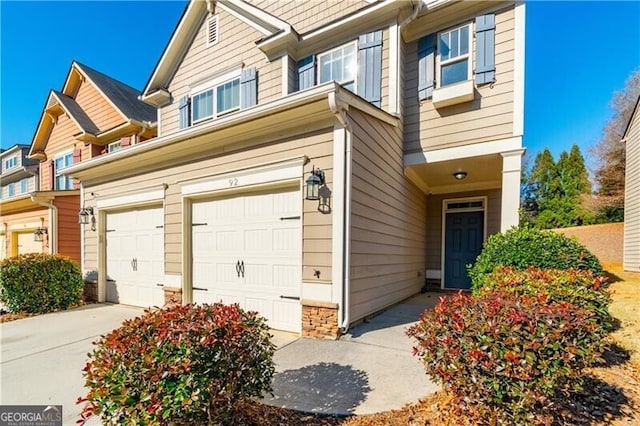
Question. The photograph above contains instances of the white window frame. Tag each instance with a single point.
(11, 189)
(24, 185)
(213, 86)
(11, 162)
(69, 182)
(440, 63)
(327, 52)
(208, 40)
(114, 146)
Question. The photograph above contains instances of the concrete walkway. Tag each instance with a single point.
(369, 370)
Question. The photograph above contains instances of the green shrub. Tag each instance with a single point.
(502, 356)
(524, 247)
(580, 288)
(39, 283)
(186, 364)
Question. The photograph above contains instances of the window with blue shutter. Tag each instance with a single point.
(307, 72)
(426, 66)
(370, 67)
(485, 49)
(249, 87)
(185, 115)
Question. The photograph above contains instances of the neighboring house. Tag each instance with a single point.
(92, 115)
(412, 112)
(18, 179)
(631, 251)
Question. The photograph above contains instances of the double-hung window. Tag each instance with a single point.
(11, 190)
(216, 100)
(339, 64)
(453, 54)
(62, 162)
(11, 162)
(24, 186)
(114, 146)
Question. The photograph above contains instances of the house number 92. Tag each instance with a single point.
(233, 182)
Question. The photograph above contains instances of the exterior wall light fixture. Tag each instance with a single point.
(313, 184)
(39, 234)
(85, 216)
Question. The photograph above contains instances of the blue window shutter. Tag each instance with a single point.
(426, 66)
(485, 49)
(370, 67)
(183, 106)
(248, 88)
(306, 72)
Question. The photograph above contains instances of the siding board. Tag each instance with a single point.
(631, 249)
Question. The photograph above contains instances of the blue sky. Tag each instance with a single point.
(578, 54)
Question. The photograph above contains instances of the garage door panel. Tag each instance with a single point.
(26, 244)
(250, 228)
(135, 257)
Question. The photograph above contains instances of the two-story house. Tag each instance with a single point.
(93, 115)
(18, 179)
(315, 162)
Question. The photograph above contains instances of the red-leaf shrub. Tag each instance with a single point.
(502, 356)
(581, 288)
(186, 364)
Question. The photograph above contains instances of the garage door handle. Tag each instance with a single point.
(238, 268)
(200, 288)
(160, 285)
(242, 268)
(290, 297)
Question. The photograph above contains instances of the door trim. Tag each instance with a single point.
(445, 210)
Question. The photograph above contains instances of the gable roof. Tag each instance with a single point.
(636, 108)
(279, 35)
(75, 112)
(122, 97)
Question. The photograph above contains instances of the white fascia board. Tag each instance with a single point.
(464, 151)
(254, 23)
(519, 69)
(321, 32)
(183, 33)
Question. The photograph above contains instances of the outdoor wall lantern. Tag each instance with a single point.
(39, 233)
(313, 184)
(460, 175)
(85, 216)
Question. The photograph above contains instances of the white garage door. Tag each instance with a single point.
(247, 250)
(135, 257)
(26, 244)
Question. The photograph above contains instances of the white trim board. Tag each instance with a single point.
(464, 151)
(134, 198)
(274, 172)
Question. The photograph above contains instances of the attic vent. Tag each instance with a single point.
(212, 30)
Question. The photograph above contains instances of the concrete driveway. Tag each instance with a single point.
(42, 357)
(369, 370)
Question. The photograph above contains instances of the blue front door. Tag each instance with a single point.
(462, 244)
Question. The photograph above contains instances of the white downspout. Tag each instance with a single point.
(53, 223)
(339, 109)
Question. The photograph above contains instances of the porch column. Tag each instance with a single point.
(511, 168)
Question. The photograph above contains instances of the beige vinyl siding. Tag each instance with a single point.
(387, 220)
(236, 47)
(316, 226)
(488, 117)
(99, 110)
(304, 16)
(631, 252)
(434, 220)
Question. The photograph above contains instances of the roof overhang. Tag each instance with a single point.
(297, 113)
(31, 201)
